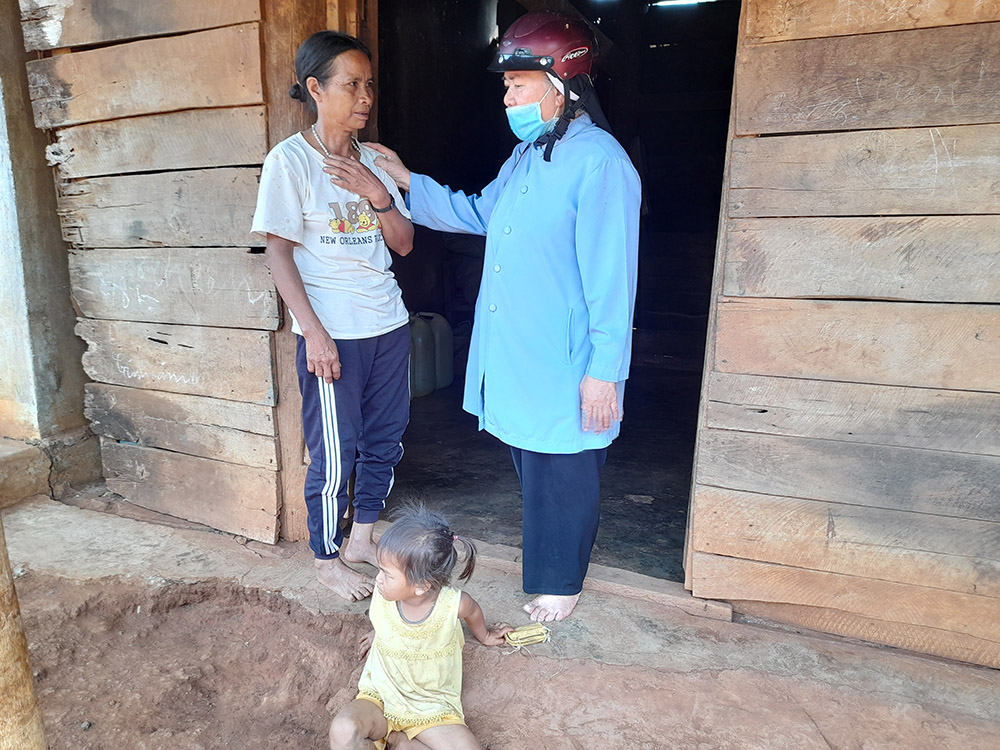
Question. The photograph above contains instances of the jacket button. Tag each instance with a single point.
(496, 268)
(524, 189)
(506, 230)
(493, 308)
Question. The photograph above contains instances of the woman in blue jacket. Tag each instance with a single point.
(553, 326)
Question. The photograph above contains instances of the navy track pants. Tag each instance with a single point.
(353, 425)
(561, 497)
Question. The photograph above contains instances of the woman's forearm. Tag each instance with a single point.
(280, 259)
(397, 231)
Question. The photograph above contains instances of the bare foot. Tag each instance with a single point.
(344, 582)
(360, 546)
(549, 607)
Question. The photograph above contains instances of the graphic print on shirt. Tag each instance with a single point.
(353, 217)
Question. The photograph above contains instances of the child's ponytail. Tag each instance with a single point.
(470, 557)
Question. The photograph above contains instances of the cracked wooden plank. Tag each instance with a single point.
(944, 420)
(230, 431)
(927, 77)
(219, 286)
(241, 500)
(937, 483)
(888, 343)
(226, 363)
(178, 140)
(925, 258)
(953, 554)
(53, 24)
(207, 208)
(918, 171)
(776, 20)
(204, 69)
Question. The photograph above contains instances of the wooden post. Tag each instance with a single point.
(20, 720)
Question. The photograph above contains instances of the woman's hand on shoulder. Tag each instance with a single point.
(389, 161)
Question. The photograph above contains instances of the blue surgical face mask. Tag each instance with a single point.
(526, 120)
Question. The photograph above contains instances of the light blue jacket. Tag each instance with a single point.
(558, 288)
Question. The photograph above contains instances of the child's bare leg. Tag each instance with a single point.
(447, 737)
(357, 725)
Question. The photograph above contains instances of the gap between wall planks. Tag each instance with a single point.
(203, 69)
(934, 641)
(229, 497)
(802, 19)
(192, 139)
(924, 258)
(928, 77)
(932, 419)
(861, 341)
(221, 286)
(226, 363)
(939, 483)
(919, 171)
(53, 24)
(970, 615)
(888, 545)
(231, 431)
(207, 207)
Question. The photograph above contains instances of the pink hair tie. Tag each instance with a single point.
(454, 537)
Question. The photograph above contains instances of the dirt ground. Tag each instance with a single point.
(129, 666)
(145, 636)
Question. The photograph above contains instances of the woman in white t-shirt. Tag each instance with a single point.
(328, 243)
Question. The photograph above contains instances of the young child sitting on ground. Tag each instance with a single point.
(409, 695)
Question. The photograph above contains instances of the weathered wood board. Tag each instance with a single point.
(889, 343)
(927, 259)
(919, 171)
(223, 363)
(775, 20)
(221, 286)
(52, 24)
(958, 646)
(217, 68)
(229, 431)
(928, 77)
(208, 208)
(956, 485)
(887, 545)
(960, 421)
(192, 139)
(239, 499)
(729, 578)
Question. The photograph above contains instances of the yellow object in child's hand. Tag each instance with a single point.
(527, 635)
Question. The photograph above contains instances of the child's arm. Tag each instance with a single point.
(472, 613)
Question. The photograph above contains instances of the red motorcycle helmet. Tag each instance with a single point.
(549, 41)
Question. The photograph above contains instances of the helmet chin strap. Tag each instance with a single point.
(581, 98)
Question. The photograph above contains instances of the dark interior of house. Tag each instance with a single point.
(664, 76)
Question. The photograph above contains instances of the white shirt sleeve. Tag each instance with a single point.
(279, 200)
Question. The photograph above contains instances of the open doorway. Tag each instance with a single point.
(665, 81)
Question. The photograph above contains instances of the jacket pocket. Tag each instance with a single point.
(569, 337)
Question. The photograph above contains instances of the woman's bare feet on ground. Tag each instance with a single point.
(341, 580)
(360, 546)
(549, 608)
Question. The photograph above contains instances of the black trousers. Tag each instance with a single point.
(561, 497)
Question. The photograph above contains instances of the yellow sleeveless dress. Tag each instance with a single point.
(414, 670)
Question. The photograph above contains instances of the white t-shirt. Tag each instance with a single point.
(339, 251)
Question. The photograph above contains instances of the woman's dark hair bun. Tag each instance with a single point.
(297, 92)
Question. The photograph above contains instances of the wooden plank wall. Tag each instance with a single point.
(848, 458)
(158, 123)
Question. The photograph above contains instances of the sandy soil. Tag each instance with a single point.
(121, 666)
